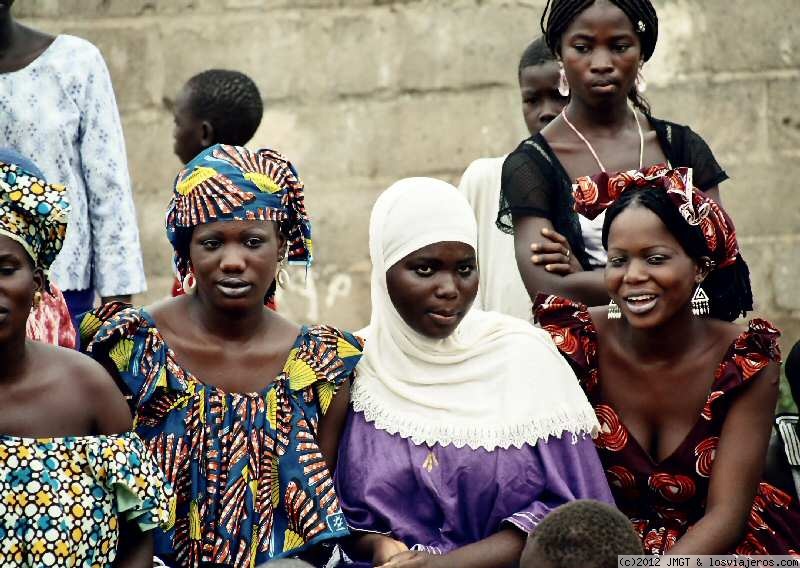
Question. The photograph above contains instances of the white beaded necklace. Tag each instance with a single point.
(591, 149)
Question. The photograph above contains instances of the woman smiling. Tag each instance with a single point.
(685, 398)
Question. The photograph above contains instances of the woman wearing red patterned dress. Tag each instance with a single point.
(685, 398)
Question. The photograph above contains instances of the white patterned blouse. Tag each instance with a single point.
(60, 111)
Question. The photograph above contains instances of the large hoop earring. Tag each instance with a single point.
(614, 313)
(563, 84)
(282, 276)
(701, 304)
(189, 283)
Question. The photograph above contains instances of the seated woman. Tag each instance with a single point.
(234, 400)
(77, 488)
(684, 397)
(466, 427)
(49, 320)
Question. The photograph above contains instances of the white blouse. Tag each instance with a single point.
(60, 111)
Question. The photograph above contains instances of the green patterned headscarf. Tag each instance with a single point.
(33, 212)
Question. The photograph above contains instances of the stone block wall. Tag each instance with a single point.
(359, 93)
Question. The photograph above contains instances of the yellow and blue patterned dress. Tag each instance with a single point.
(61, 499)
(250, 479)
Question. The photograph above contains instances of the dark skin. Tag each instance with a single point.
(601, 55)
(50, 392)
(19, 47)
(191, 134)
(223, 333)
(658, 348)
(541, 101)
(432, 289)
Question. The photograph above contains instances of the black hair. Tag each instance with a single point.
(728, 288)
(582, 533)
(230, 101)
(537, 53)
(559, 14)
(792, 369)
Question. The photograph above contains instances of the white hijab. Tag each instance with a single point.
(495, 382)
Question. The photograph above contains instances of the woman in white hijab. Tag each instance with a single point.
(466, 427)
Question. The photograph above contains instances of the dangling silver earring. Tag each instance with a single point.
(563, 84)
(614, 313)
(701, 304)
(641, 82)
(189, 283)
(282, 276)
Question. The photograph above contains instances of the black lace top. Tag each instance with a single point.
(535, 183)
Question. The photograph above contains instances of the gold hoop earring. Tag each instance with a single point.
(189, 283)
(37, 299)
(282, 276)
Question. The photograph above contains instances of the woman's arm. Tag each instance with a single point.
(331, 424)
(713, 193)
(737, 469)
(586, 287)
(135, 548)
(501, 550)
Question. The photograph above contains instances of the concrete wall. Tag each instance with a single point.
(360, 93)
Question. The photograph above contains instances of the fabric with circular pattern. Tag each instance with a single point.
(61, 499)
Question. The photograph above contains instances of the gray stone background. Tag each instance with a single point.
(359, 93)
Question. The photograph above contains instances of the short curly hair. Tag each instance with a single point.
(581, 533)
(230, 101)
(536, 53)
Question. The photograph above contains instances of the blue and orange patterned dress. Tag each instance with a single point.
(250, 479)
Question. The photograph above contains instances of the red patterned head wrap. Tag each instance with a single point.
(595, 194)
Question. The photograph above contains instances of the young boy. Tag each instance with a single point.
(501, 286)
(582, 533)
(217, 106)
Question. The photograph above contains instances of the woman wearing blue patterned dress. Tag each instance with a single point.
(76, 486)
(241, 407)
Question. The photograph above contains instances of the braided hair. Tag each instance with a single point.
(559, 14)
(230, 101)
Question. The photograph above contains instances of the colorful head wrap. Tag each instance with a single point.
(232, 183)
(595, 194)
(32, 212)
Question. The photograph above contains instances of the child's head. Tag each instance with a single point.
(217, 106)
(538, 76)
(581, 533)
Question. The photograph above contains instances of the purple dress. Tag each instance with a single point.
(442, 498)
